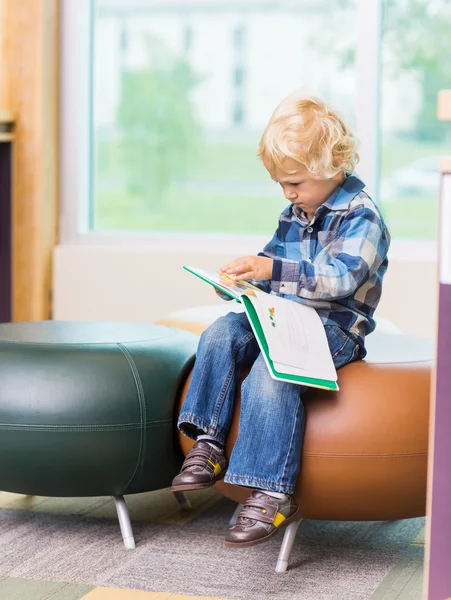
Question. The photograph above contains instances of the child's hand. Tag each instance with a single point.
(249, 267)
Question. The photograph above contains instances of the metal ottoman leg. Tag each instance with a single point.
(234, 517)
(124, 522)
(182, 499)
(287, 545)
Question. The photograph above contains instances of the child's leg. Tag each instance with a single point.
(343, 347)
(207, 411)
(268, 449)
(266, 456)
(267, 452)
(209, 402)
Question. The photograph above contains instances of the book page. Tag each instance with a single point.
(295, 335)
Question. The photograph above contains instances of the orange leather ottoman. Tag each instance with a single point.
(365, 449)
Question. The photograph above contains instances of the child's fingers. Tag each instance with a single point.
(237, 269)
(230, 265)
(238, 266)
(247, 275)
(228, 269)
(227, 278)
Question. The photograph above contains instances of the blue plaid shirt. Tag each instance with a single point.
(336, 262)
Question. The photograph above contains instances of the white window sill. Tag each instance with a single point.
(176, 243)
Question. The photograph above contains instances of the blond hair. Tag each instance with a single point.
(313, 133)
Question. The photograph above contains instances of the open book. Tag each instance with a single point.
(291, 335)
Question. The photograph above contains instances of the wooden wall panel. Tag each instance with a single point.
(29, 90)
(6, 142)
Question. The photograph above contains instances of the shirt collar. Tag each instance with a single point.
(339, 200)
(343, 195)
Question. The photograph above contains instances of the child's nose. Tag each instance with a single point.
(290, 193)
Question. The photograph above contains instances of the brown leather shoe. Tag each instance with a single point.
(203, 467)
(260, 518)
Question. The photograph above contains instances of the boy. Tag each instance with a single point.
(330, 252)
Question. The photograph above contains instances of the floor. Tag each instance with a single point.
(403, 582)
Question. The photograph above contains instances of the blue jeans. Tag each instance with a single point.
(267, 452)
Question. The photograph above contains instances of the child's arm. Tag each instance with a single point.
(358, 251)
(256, 269)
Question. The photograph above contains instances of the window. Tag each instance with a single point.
(181, 94)
(164, 101)
(416, 66)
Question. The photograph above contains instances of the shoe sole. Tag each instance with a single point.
(294, 517)
(186, 487)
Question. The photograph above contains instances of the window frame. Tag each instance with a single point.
(75, 131)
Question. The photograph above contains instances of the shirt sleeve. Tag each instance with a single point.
(352, 258)
(269, 251)
(272, 249)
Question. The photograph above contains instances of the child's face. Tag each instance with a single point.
(302, 190)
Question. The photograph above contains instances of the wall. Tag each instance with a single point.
(29, 47)
(142, 284)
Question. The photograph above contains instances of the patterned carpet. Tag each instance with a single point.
(71, 549)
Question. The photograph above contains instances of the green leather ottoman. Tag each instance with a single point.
(87, 409)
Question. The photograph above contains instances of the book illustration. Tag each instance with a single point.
(271, 316)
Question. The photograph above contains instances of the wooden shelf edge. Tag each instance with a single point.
(6, 117)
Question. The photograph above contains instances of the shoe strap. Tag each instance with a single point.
(258, 510)
(199, 457)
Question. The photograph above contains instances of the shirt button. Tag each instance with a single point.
(309, 229)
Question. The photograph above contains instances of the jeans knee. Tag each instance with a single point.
(224, 329)
(264, 394)
(260, 385)
(271, 395)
